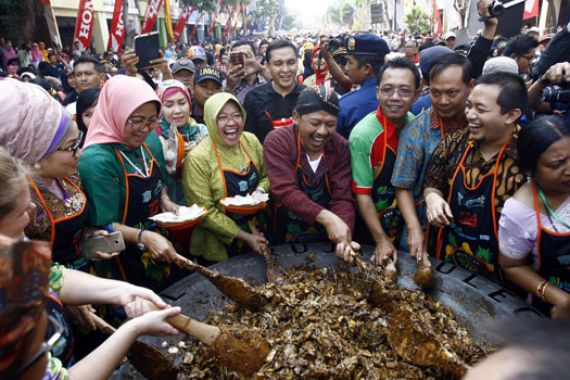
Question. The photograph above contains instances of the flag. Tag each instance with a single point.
(168, 20)
(150, 15)
(197, 25)
(84, 24)
(436, 25)
(182, 21)
(118, 30)
(530, 9)
(218, 5)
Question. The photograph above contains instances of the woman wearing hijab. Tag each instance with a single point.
(123, 173)
(179, 133)
(227, 163)
(32, 337)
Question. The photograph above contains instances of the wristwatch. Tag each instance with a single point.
(140, 244)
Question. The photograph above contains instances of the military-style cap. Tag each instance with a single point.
(366, 44)
(183, 64)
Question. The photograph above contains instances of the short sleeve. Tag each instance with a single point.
(56, 276)
(55, 370)
(517, 230)
(362, 175)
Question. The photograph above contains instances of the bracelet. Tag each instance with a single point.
(140, 234)
(541, 289)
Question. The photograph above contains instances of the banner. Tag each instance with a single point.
(182, 21)
(196, 26)
(150, 15)
(168, 20)
(229, 21)
(530, 9)
(218, 5)
(436, 25)
(118, 30)
(84, 24)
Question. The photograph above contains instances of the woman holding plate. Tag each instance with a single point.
(227, 163)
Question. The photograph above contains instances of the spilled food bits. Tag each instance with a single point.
(320, 325)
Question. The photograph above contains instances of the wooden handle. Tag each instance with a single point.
(201, 331)
(101, 324)
(184, 262)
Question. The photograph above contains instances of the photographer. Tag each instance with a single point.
(551, 93)
(244, 72)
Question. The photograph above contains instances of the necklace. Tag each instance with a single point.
(551, 212)
(138, 170)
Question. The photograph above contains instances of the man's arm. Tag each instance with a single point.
(482, 48)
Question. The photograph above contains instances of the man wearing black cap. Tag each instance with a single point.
(365, 57)
(308, 166)
(184, 70)
(207, 82)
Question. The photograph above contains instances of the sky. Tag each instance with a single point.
(309, 11)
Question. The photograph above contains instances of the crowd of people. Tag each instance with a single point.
(413, 145)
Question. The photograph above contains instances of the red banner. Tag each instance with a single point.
(218, 5)
(182, 21)
(530, 9)
(196, 26)
(84, 24)
(118, 30)
(436, 25)
(150, 15)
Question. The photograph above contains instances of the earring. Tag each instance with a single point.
(37, 166)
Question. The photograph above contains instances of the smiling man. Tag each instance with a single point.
(308, 166)
(373, 147)
(473, 172)
(271, 105)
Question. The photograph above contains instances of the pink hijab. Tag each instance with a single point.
(119, 98)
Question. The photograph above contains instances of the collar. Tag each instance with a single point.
(370, 82)
(436, 122)
(511, 150)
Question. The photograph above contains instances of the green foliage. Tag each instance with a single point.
(332, 15)
(11, 13)
(417, 20)
(346, 14)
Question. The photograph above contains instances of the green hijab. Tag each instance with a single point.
(212, 109)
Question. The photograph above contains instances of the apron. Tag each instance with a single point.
(142, 200)
(553, 254)
(288, 228)
(471, 241)
(66, 232)
(383, 193)
(238, 183)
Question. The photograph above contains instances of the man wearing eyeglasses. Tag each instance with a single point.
(521, 48)
(373, 147)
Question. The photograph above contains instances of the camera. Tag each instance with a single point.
(496, 9)
(556, 94)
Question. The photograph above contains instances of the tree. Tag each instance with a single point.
(417, 20)
(332, 15)
(347, 14)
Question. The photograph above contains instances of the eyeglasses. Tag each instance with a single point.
(529, 57)
(402, 92)
(225, 119)
(75, 147)
(44, 348)
(140, 122)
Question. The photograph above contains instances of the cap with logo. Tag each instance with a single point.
(183, 64)
(366, 44)
(209, 72)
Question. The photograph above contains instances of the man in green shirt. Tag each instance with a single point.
(373, 147)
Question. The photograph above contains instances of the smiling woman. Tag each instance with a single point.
(227, 163)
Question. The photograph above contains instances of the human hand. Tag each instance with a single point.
(158, 246)
(347, 251)
(562, 309)
(81, 314)
(188, 146)
(235, 72)
(483, 10)
(135, 300)
(416, 243)
(558, 73)
(129, 60)
(155, 322)
(257, 242)
(383, 251)
(161, 64)
(438, 210)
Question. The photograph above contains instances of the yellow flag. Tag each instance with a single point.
(169, 29)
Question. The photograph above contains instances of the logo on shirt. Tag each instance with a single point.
(146, 196)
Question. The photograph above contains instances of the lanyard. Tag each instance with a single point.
(146, 173)
(550, 210)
